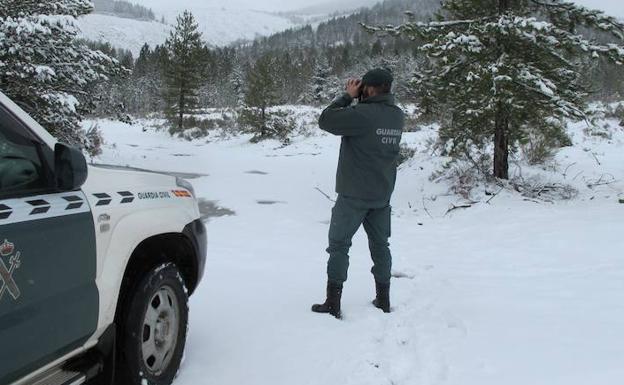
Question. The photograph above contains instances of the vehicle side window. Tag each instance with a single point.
(23, 169)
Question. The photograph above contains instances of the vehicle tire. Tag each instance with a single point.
(154, 328)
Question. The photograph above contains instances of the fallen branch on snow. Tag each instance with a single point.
(425, 207)
(325, 195)
(454, 207)
(494, 195)
(602, 181)
(597, 161)
(565, 172)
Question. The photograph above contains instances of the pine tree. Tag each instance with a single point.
(237, 85)
(320, 81)
(183, 73)
(376, 49)
(45, 69)
(504, 68)
(261, 94)
(145, 92)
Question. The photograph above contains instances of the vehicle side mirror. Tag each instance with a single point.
(70, 167)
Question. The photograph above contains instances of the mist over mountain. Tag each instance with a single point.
(327, 8)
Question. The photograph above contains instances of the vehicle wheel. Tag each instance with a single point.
(154, 328)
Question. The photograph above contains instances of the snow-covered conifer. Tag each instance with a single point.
(183, 74)
(504, 68)
(320, 81)
(261, 94)
(44, 68)
(237, 84)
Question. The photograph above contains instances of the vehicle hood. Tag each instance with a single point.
(116, 178)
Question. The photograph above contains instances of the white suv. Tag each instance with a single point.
(96, 265)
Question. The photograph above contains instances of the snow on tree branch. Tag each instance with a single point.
(574, 13)
(501, 69)
(44, 68)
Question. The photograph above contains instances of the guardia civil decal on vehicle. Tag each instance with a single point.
(10, 261)
(42, 207)
(126, 197)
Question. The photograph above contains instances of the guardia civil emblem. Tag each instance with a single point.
(9, 263)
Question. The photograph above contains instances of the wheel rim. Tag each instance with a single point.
(160, 330)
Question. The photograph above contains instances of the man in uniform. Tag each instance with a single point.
(371, 132)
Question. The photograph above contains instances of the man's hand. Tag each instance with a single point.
(354, 88)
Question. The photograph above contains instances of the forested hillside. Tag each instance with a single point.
(303, 65)
(122, 8)
(309, 64)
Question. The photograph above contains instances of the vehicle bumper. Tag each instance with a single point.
(196, 232)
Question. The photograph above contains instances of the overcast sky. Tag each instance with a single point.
(612, 7)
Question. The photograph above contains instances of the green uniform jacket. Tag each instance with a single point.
(371, 133)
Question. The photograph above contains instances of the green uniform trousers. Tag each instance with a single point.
(347, 216)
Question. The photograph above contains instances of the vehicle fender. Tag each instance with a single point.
(125, 236)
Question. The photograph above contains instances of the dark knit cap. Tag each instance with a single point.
(377, 77)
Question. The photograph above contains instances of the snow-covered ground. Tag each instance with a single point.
(507, 292)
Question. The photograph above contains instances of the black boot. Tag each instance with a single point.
(332, 303)
(383, 297)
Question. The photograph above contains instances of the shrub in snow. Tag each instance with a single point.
(617, 112)
(200, 126)
(406, 153)
(44, 69)
(503, 68)
(465, 174)
(273, 124)
(94, 140)
(540, 143)
(536, 187)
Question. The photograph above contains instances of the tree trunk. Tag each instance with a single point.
(501, 131)
(503, 6)
(181, 106)
(263, 129)
(501, 145)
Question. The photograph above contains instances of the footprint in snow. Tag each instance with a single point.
(403, 275)
(269, 202)
(256, 172)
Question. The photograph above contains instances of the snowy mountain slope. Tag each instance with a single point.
(220, 25)
(324, 11)
(123, 33)
(221, 21)
(510, 292)
(329, 7)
